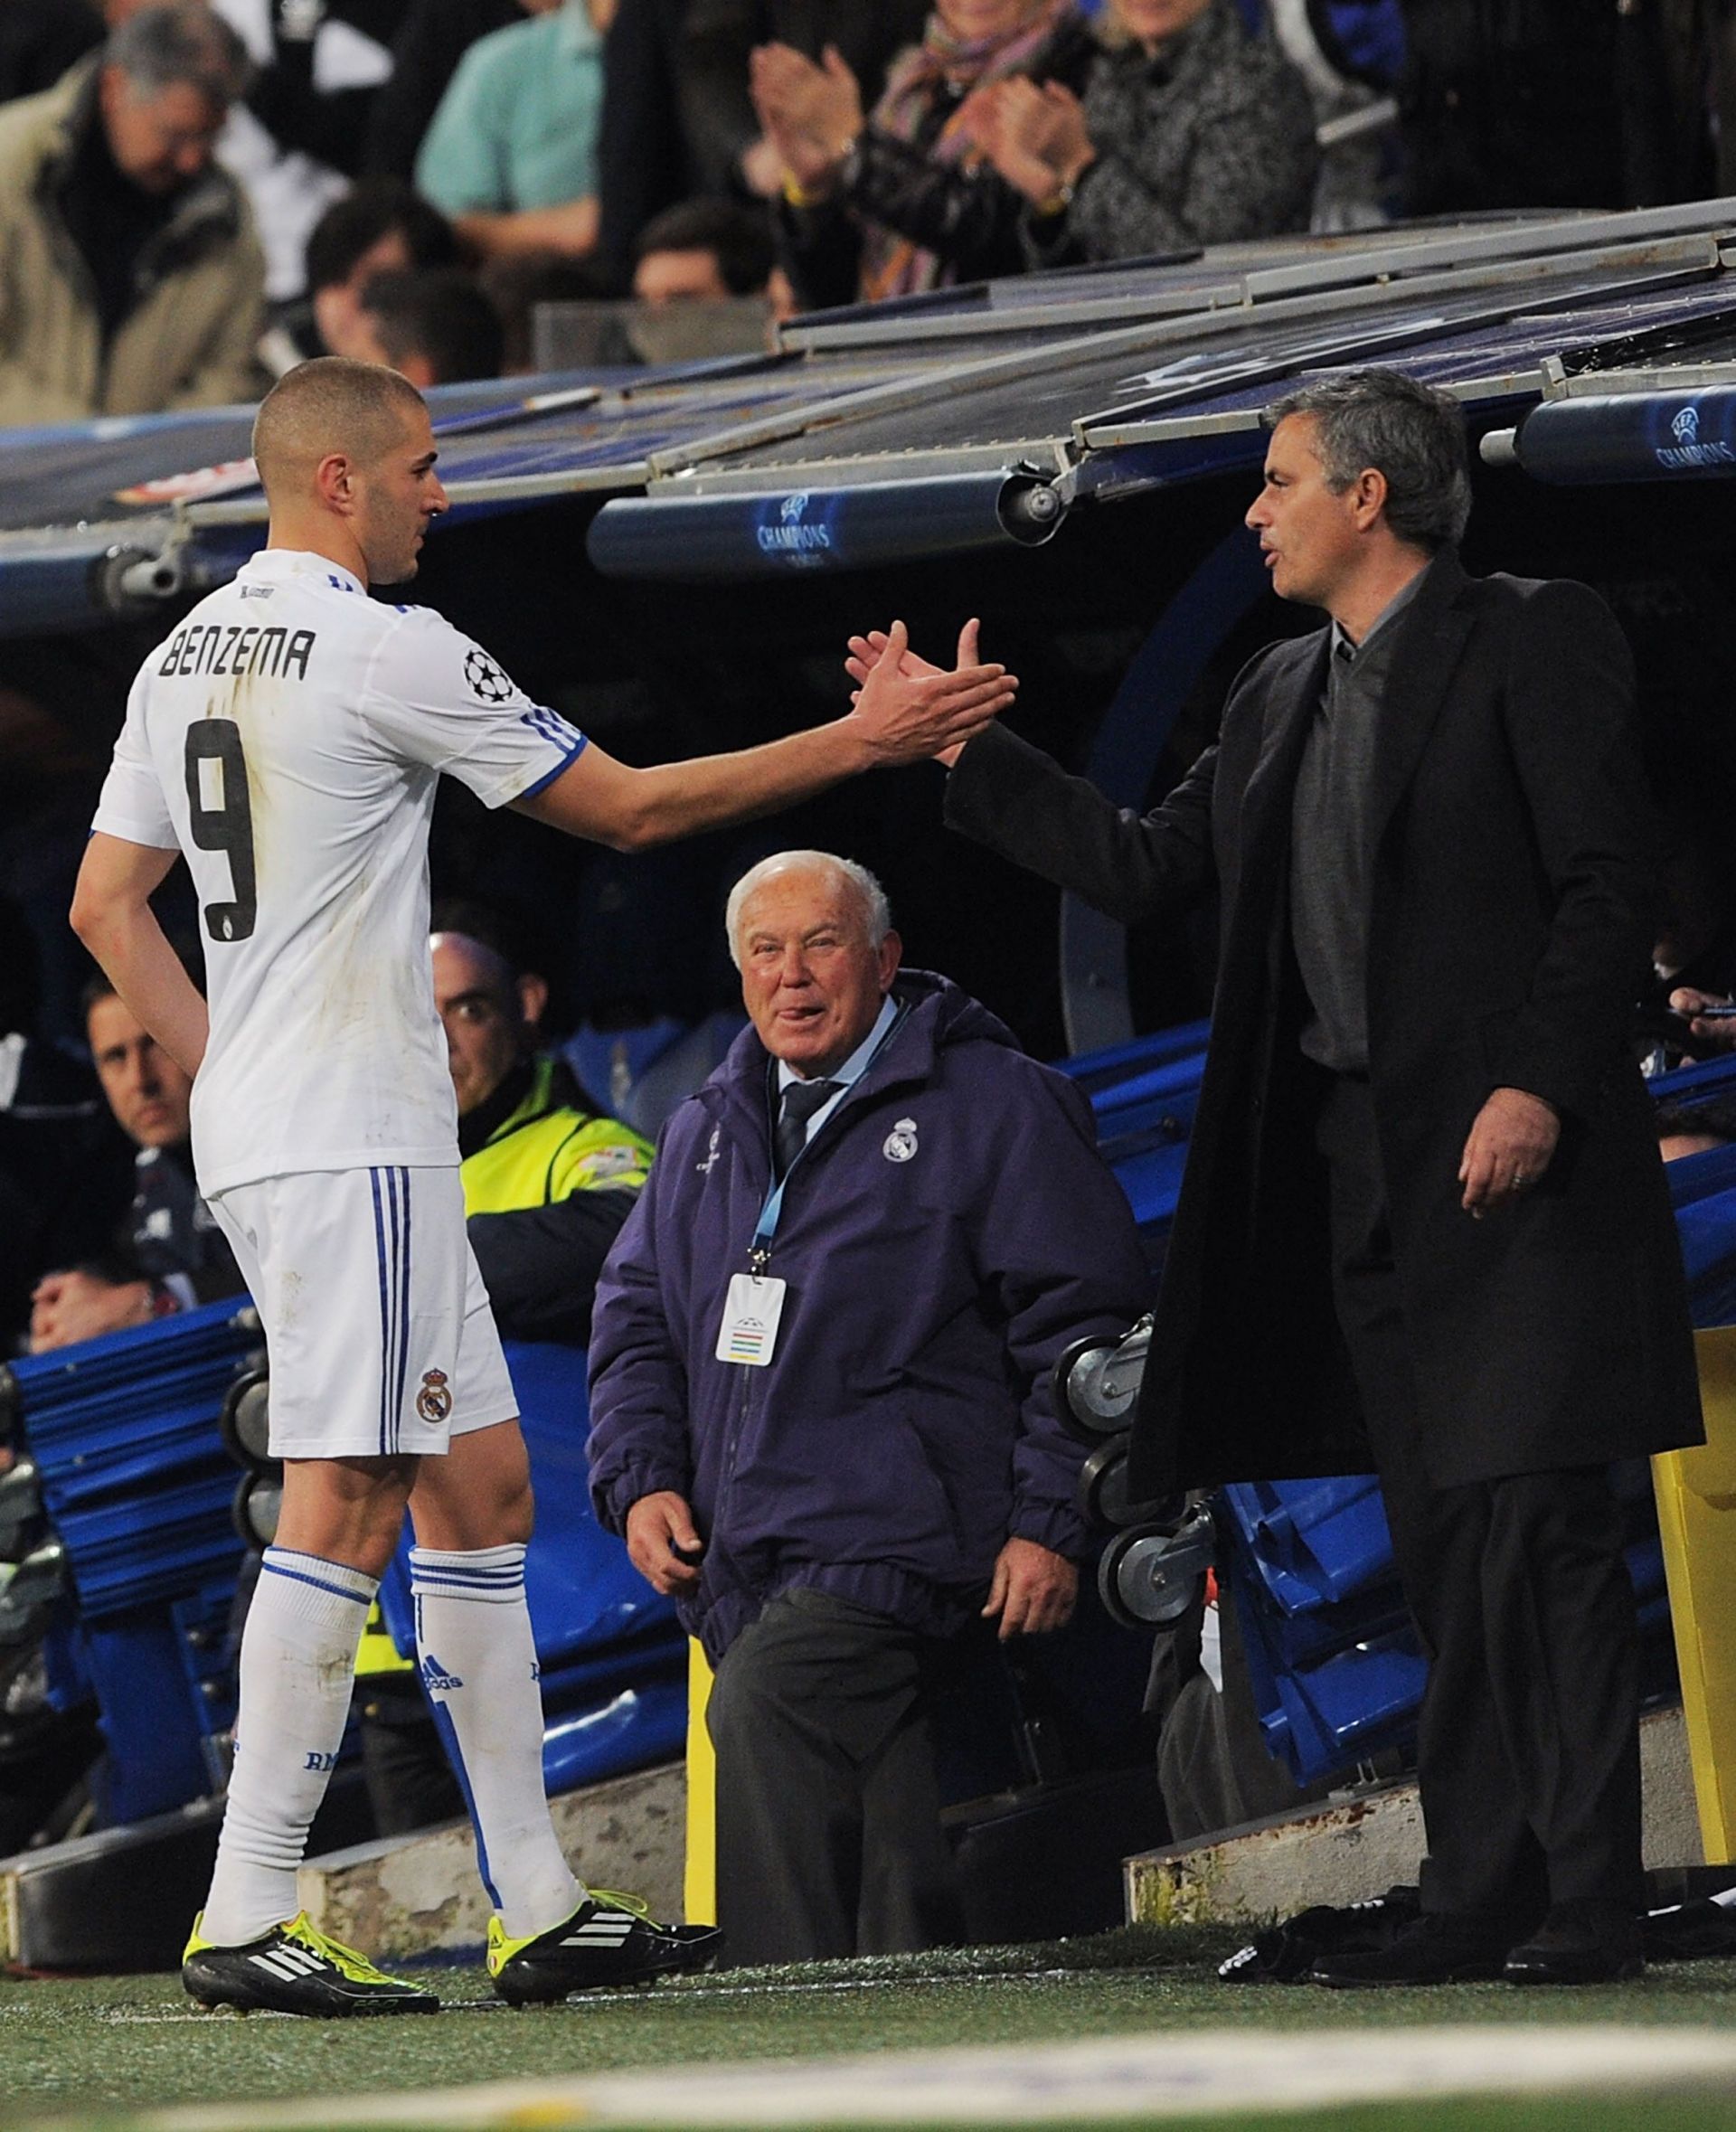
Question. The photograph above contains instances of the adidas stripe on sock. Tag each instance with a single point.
(478, 1667)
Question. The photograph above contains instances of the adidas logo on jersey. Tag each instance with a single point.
(436, 1678)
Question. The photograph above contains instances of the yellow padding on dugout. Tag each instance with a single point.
(1697, 1517)
(700, 1886)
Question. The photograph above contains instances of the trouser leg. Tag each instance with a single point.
(1484, 1865)
(1564, 1659)
(911, 1896)
(828, 1840)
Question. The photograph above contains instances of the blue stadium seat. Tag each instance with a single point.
(138, 1488)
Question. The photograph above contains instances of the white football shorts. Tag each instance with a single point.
(376, 1322)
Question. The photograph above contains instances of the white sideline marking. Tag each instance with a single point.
(1167, 2074)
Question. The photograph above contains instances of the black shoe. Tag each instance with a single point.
(295, 1969)
(609, 1939)
(1433, 1950)
(1580, 1943)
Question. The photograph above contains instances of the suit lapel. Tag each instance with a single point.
(1424, 661)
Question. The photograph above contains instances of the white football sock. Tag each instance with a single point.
(298, 1663)
(479, 1669)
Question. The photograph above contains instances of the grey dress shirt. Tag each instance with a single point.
(1330, 858)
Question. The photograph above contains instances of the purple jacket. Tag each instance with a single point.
(949, 1228)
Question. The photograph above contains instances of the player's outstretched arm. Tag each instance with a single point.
(901, 714)
(112, 915)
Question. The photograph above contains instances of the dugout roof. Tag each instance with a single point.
(1595, 346)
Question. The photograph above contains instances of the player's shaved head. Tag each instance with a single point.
(331, 404)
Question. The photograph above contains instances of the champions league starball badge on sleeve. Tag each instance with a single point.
(486, 680)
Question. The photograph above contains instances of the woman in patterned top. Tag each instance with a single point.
(1190, 133)
(907, 199)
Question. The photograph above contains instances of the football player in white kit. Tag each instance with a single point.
(288, 738)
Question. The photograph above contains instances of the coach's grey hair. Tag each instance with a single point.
(876, 912)
(1408, 431)
(181, 41)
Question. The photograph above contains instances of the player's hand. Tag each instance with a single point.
(1509, 1147)
(67, 1307)
(660, 1531)
(1034, 1590)
(868, 653)
(1719, 1034)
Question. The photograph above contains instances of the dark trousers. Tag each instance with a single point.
(1528, 1749)
(828, 1816)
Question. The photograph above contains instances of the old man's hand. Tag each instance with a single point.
(1032, 1589)
(664, 1543)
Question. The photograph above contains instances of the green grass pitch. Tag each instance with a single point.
(97, 2052)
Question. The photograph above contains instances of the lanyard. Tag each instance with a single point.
(760, 1250)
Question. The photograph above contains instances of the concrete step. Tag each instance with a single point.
(1346, 1850)
(121, 1900)
(420, 1895)
(124, 1899)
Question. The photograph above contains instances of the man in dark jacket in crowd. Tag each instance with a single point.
(170, 1254)
(820, 1400)
(1423, 1186)
(66, 1174)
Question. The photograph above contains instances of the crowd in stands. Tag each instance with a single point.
(199, 192)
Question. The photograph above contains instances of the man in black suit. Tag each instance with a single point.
(1423, 1193)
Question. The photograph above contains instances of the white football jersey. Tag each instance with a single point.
(287, 739)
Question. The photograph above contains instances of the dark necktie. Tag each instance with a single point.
(802, 1099)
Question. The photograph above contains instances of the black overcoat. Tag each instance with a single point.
(1511, 917)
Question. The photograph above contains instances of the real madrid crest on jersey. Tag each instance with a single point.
(434, 1401)
(486, 680)
(900, 1142)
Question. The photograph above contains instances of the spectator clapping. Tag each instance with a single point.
(907, 200)
(1190, 133)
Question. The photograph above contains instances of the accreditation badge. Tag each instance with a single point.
(749, 1334)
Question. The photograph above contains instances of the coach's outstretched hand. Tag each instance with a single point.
(920, 708)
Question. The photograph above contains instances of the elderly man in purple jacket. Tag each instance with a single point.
(820, 1404)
